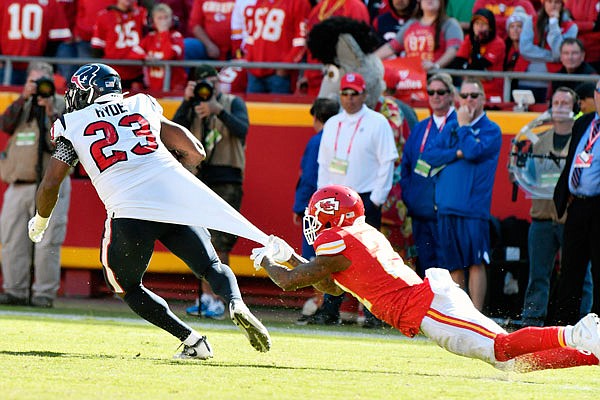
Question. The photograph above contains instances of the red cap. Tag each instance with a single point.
(353, 81)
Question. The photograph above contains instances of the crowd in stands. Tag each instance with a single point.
(507, 35)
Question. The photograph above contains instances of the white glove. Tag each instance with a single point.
(260, 253)
(37, 226)
(282, 251)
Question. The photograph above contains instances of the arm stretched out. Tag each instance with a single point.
(315, 273)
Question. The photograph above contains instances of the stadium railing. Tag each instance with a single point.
(508, 77)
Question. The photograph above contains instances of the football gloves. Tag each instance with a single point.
(276, 248)
(37, 226)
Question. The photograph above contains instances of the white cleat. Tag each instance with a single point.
(254, 330)
(200, 351)
(586, 334)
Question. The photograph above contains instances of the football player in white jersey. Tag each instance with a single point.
(126, 146)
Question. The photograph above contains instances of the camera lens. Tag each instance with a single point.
(203, 91)
(45, 87)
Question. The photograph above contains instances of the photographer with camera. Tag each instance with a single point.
(28, 121)
(546, 232)
(220, 121)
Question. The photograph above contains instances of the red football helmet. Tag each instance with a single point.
(333, 205)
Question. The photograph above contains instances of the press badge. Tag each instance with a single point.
(422, 168)
(584, 160)
(549, 179)
(25, 138)
(338, 166)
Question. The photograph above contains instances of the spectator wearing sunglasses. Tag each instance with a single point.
(416, 179)
(464, 166)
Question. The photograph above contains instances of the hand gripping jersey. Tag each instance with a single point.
(377, 277)
(136, 176)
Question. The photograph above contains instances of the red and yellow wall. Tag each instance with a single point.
(276, 140)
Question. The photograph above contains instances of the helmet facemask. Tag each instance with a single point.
(311, 227)
(89, 83)
(331, 206)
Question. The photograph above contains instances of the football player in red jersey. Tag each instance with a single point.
(354, 257)
(117, 35)
(278, 35)
(31, 28)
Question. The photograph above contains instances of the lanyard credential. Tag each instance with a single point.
(335, 146)
(426, 134)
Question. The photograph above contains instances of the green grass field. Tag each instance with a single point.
(105, 356)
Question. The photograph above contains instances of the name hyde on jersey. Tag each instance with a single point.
(110, 110)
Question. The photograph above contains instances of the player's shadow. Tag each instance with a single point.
(54, 354)
(280, 367)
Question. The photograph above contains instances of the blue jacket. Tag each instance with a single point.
(418, 192)
(307, 183)
(464, 186)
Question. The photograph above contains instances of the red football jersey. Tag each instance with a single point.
(377, 277)
(502, 9)
(214, 16)
(278, 33)
(493, 52)
(354, 9)
(419, 41)
(28, 25)
(87, 12)
(164, 46)
(118, 33)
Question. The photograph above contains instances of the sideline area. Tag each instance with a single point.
(278, 133)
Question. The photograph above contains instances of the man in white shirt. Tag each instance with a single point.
(357, 150)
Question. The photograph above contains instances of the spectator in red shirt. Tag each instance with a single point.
(483, 50)
(430, 35)
(117, 35)
(181, 14)
(82, 26)
(210, 25)
(163, 43)
(355, 9)
(24, 35)
(278, 35)
(502, 9)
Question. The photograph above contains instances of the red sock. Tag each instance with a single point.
(565, 357)
(528, 340)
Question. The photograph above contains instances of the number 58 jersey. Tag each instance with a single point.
(118, 143)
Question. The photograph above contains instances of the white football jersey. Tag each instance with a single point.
(118, 143)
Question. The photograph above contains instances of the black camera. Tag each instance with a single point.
(203, 91)
(45, 87)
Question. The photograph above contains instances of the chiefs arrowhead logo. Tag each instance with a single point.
(328, 205)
